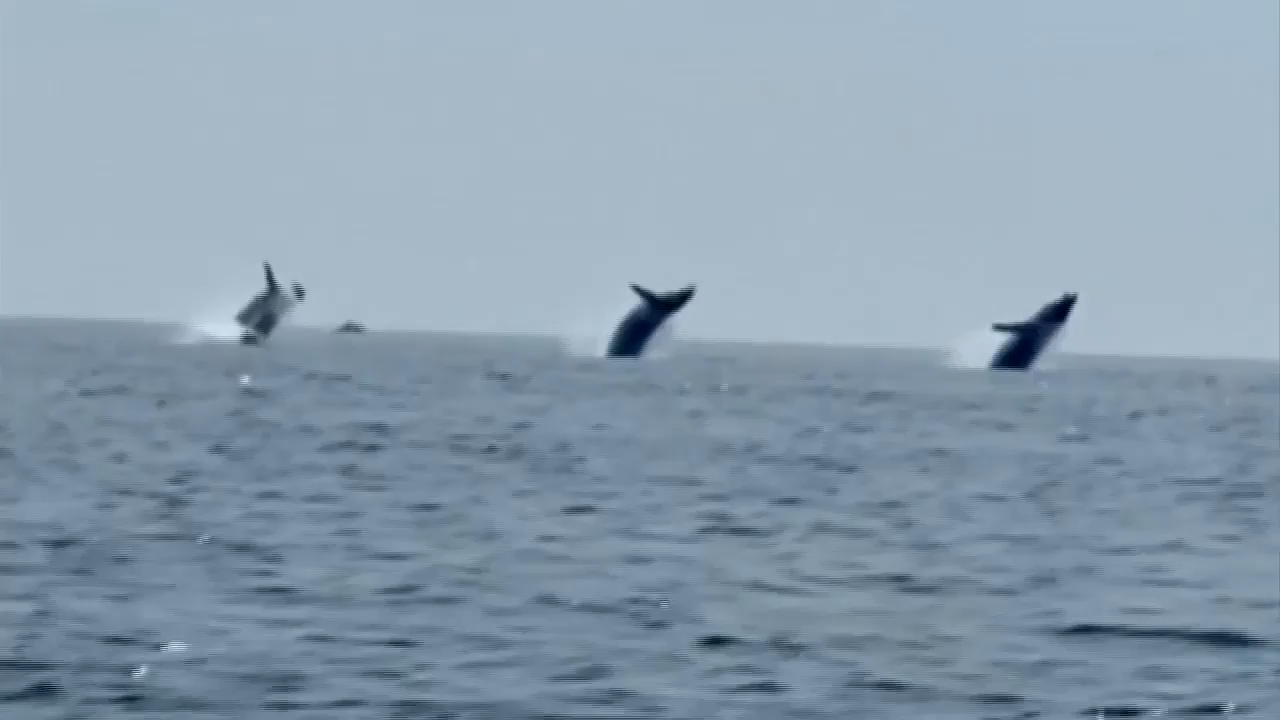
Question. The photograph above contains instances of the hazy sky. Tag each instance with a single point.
(874, 172)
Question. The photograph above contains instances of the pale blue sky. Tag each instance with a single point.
(871, 172)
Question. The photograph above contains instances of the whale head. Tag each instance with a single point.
(1058, 311)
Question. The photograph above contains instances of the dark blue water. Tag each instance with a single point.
(440, 527)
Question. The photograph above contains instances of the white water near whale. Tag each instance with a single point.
(214, 325)
(975, 349)
(210, 331)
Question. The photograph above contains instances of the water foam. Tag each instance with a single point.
(214, 324)
(198, 332)
(976, 349)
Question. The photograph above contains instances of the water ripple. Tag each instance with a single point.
(410, 527)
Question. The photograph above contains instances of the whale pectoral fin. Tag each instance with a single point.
(270, 275)
(646, 294)
(248, 311)
(1009, 327)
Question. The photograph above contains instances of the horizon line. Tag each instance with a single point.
(688, 340)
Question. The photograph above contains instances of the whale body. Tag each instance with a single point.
(1029, 338)
(637, 328)
(262, 315)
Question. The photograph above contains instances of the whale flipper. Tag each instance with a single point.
(634, 332)
(1010, 327)
(647, 295)
(266, 309)
(1029, 338)
(272, 285)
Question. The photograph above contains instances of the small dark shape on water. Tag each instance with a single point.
(350, 326)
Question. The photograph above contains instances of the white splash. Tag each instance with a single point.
(216, 322)
(206, 332)
(977, 348)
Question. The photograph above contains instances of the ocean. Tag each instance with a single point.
(433, 526)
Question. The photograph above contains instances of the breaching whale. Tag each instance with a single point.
(638, 327)
(1029, 338)
(264, 312)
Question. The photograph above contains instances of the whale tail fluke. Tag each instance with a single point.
(646, 294)
(665, 301)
